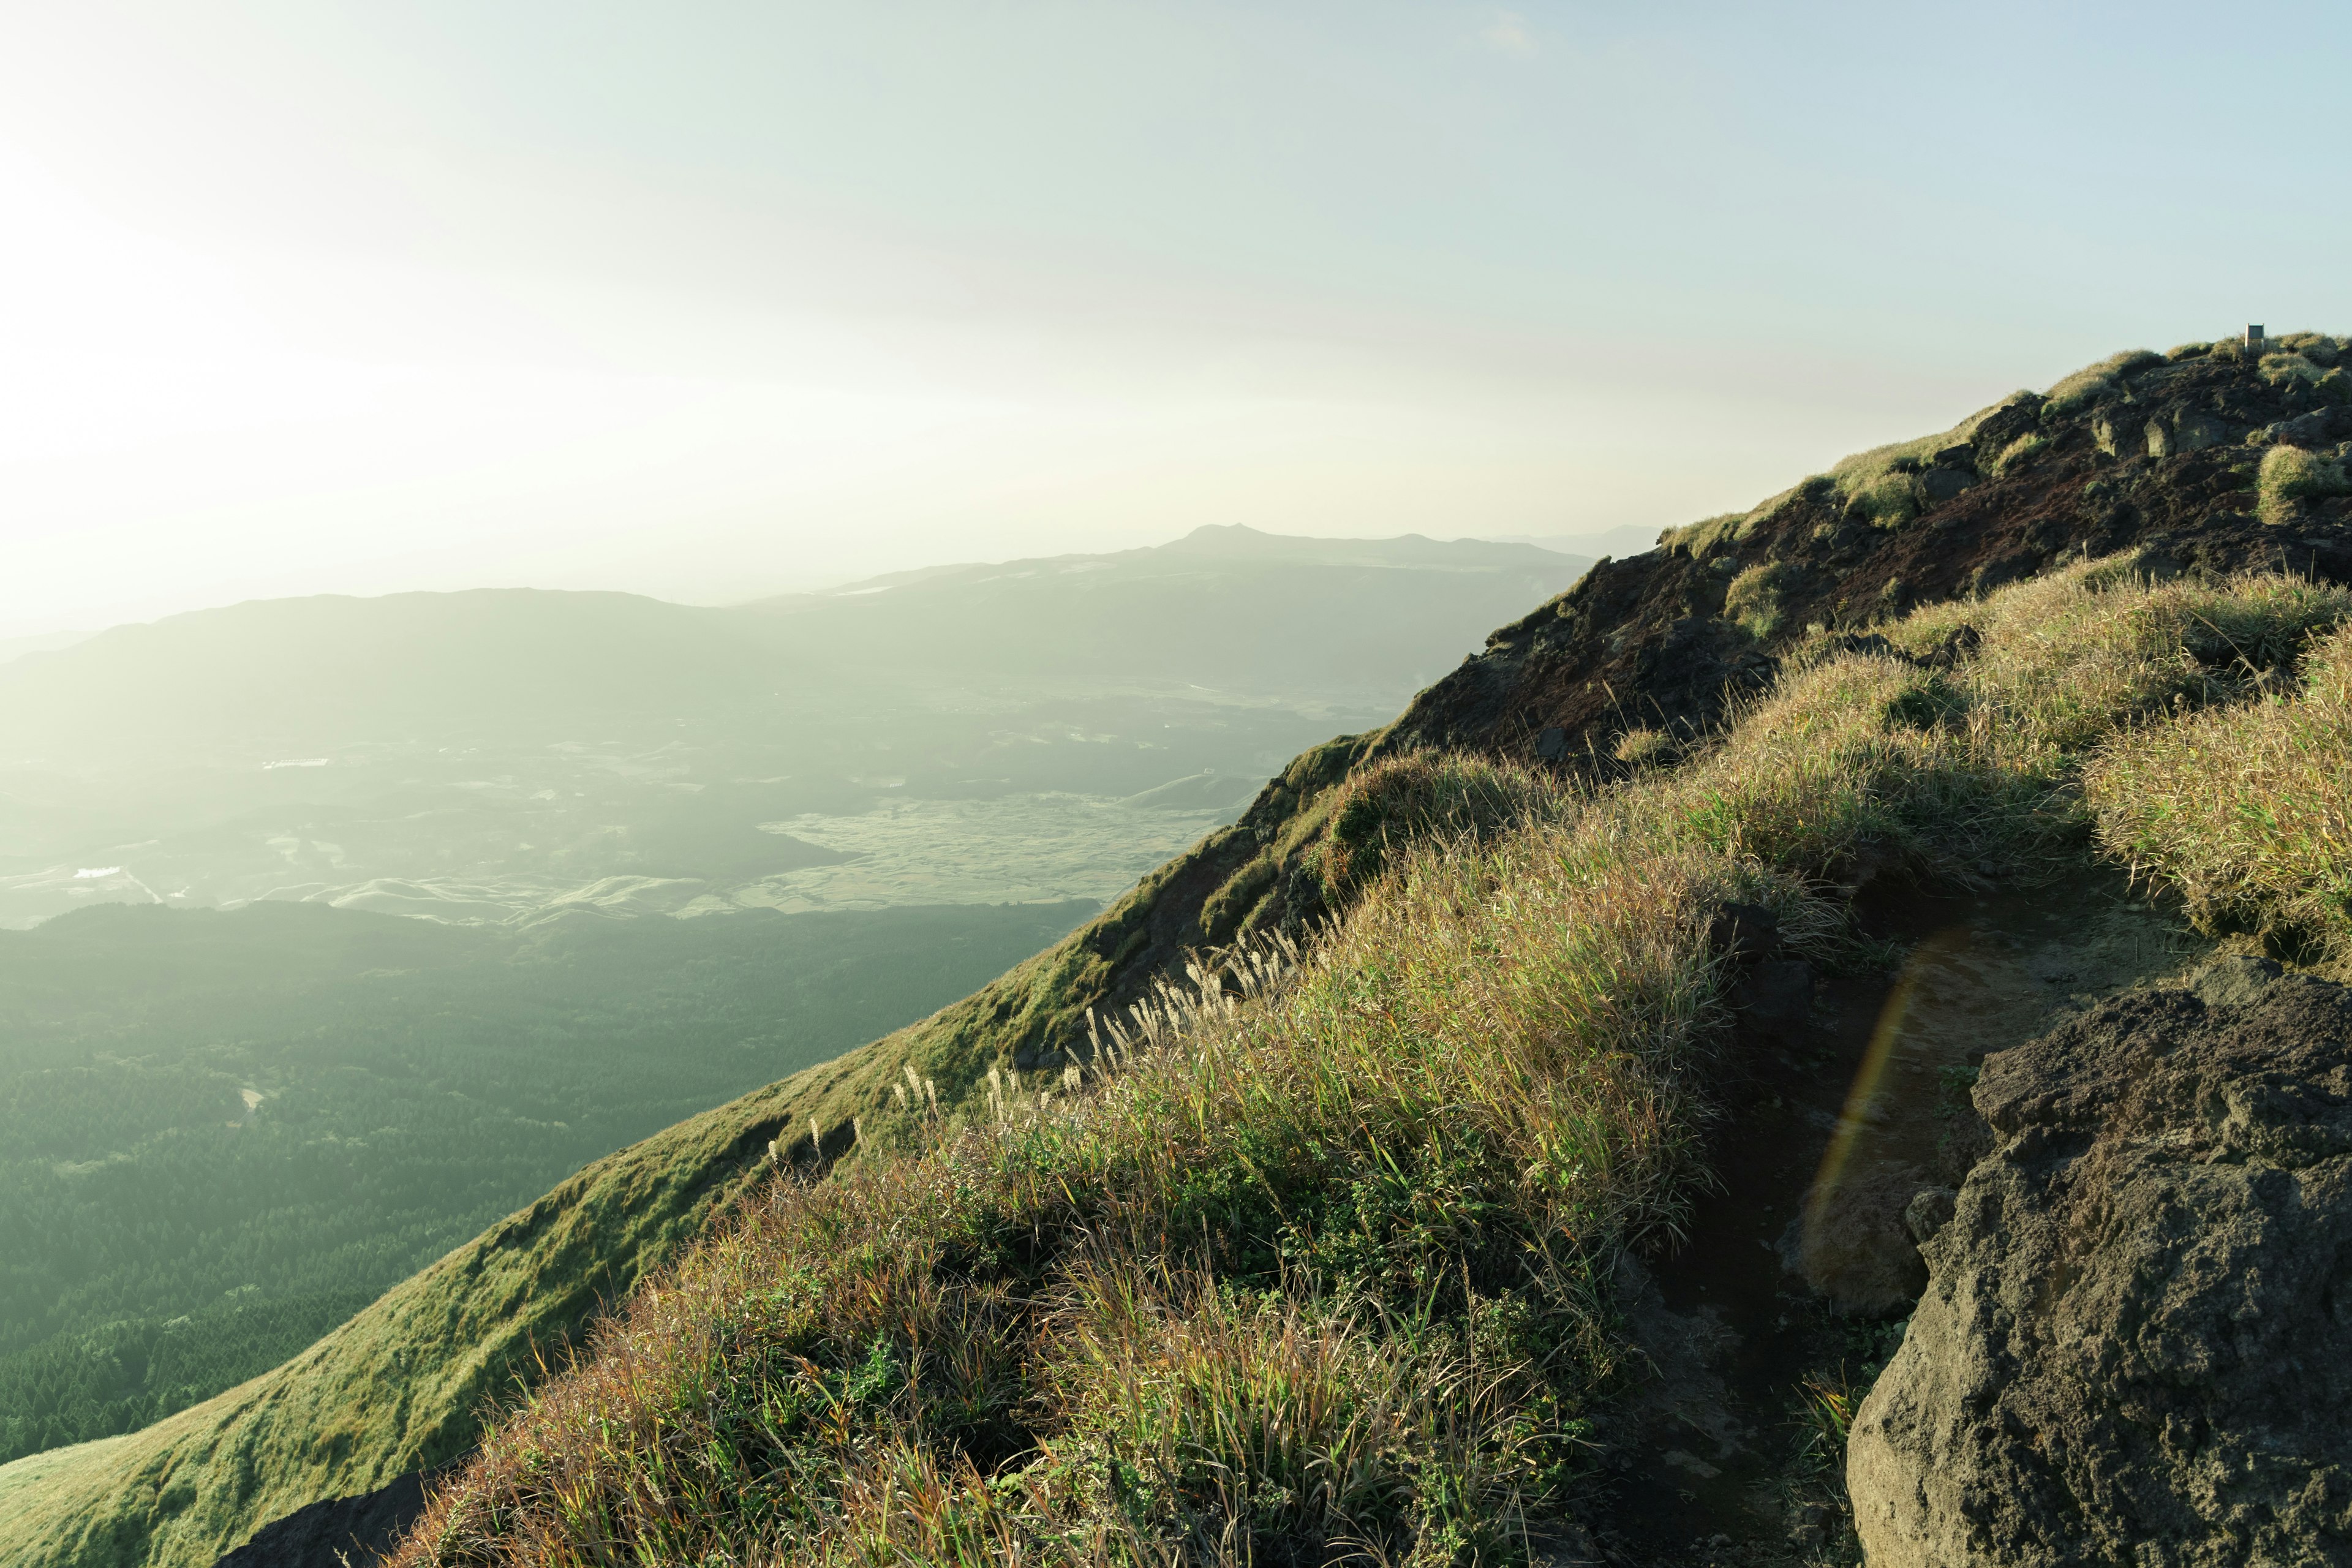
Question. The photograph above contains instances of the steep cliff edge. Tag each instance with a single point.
(1643, 656)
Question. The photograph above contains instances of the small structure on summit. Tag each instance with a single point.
(2253, 337)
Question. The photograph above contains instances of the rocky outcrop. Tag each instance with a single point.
(2136, 1345)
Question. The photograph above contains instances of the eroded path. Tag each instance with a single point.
(1800, 1269)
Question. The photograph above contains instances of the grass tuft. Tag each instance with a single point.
(2246, 810)
(1753, 598)
(2095, 383)
(2290, 474)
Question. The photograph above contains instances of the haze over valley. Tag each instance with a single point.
(1029, 732)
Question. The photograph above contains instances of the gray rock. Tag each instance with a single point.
(1939, 485)
(2193, 432)
(2136, 1343)
(1851, 1245)
(2314, 429)
(1929, 1211)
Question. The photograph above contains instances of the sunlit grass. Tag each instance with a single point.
(2246, 810)
(1306, 1263)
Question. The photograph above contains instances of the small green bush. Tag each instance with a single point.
(1418, 798)
(1701, 537)
(2290, 474)
(2019, 453)
(1889, 500)
(1753, 599)
(2279, 370)
(2317, 347)
(2104, 379)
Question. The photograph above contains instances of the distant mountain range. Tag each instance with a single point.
(501, 754)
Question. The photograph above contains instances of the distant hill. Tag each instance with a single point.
(1224, 607)
(1626, 539)
(1263, 614)
(47, 642)
(496, 755)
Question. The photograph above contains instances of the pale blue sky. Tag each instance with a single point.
(713, 300)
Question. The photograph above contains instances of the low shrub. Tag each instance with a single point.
(1398, 802)
(2097, 382)
(2280, 369)
(2290, 474)
(2019, 453)
(1753, 598)
(1890, 501)
(2246, 810)
(2317, 347)
(1700, 538)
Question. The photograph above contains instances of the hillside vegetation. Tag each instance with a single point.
(1936, 738)
(1313, 1264)
(221, 1135)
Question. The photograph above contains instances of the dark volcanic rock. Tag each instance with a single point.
(1644, 640)
(2136, 1345)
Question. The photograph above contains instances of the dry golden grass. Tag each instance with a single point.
(2246, 810)
(1306, 1264)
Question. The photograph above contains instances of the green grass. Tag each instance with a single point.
(2290, 474)
(1313, 1268)
(2246, 810)
(2093, 381)
(1753, 597)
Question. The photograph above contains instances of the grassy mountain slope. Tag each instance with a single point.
(1639, 660)
(222, 1133)
(1318, 1269)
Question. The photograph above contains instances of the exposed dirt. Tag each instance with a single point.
(1836, 1125)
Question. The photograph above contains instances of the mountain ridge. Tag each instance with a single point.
(1644, 654)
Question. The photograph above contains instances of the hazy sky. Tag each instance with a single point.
(713, 300)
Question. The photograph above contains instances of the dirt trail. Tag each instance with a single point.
(1799, 1266)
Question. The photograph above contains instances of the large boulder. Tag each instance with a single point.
(2136, 1345)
